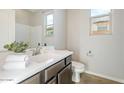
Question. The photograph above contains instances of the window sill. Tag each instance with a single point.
(100, 33)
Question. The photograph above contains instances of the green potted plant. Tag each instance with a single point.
(17, 47)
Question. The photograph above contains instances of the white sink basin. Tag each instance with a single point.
(47, 57)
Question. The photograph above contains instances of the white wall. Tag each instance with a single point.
(107, 50)
(60, 29)
(7, 27)
(73, 32)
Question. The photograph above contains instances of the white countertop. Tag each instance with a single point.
(36, 64)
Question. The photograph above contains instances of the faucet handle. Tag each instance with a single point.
(38, 44)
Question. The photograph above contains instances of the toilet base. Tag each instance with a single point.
(76, 77)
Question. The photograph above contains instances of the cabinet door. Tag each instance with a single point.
(64, 77)
(33, 80)
(53, 81)
(51, 71)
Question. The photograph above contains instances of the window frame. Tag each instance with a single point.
(45, 23)
(107, 32)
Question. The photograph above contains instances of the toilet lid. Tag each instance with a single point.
(77, 65)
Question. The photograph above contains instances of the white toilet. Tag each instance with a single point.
(77, 69)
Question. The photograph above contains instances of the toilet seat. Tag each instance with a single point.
(79, 70)
(77, 65)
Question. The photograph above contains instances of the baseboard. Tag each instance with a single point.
(107, 77)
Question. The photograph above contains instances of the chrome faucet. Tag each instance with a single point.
(37, 50)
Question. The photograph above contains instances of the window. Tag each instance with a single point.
(49, 25)
(100, 22)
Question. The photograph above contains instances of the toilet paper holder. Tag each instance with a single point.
(89, 53)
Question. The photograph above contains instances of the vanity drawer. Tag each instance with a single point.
(68, 59)
(53, 70)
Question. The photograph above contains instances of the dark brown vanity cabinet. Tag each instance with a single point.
(53, 70)
(58, 73)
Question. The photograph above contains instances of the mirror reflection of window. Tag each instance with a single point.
(49, 25)
(100, 22)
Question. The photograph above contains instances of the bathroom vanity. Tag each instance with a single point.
(58, 73)
(45, 68)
